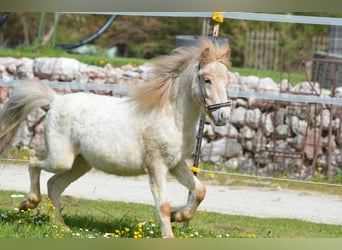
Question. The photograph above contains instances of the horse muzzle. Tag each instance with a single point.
(220, 113)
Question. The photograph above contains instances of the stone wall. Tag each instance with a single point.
(264, 137)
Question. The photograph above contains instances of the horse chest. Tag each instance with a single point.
(166, 145)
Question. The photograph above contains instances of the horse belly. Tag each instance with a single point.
(113, 151)
(123, 163)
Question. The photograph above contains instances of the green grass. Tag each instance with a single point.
(100, 60)
(105, 219)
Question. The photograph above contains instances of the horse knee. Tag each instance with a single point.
(200, 193)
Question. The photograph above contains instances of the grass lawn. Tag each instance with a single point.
(105, 219)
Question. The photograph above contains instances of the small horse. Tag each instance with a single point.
(152, 131)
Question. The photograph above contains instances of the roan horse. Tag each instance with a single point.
(152, 132)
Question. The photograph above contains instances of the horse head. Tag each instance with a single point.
(213, 80)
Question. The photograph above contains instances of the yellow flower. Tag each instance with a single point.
(319, 169)
(102, 62)
(212, 175)
(252, 236)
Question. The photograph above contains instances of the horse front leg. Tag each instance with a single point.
(34, 197)
(196, 193)
(157, 177)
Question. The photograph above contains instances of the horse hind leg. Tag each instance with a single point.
(196, 193)
(35, 166)
(58, 183)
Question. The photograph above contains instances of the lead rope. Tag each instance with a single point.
(217, 18)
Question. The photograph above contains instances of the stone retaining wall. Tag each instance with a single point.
(263, 137)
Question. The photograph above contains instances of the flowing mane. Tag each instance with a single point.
(159, 82)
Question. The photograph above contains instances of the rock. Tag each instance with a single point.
(268, 123)
(241, 103)
(298, 127)
(267, 85)
(217, 150)
(313, 144)
(57, 69)
(247, 133)
(307, 88)
(247, 165)
(253, 117)
(248, 145)
(208, 131)
(296, 142)
(226, 131)
(238, 117)
(25, 69)
(251, 82)
(324, 119)
(284, 86)
(281, 131)
(232, 163)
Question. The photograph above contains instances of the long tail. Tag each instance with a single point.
(24, 98)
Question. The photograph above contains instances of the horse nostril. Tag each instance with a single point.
(222, 116)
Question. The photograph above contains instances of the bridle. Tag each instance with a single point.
(208, 110)
(212, 107)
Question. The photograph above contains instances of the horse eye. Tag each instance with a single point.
(207, 80)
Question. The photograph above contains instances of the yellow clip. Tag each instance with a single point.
(218, 17)
(195, 169)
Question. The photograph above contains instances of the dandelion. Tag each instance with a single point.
(102, 62)
(211, 174)
(319, 169)
(252, 236)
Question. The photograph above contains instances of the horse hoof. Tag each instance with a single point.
(65, 228)
(23, 205)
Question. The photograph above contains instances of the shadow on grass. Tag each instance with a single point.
(102, 225)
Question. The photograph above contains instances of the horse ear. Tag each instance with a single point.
(205, 54)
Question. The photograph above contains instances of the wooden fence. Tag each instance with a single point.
(263, 50)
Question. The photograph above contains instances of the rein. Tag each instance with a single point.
(218, 18)
(208, 109)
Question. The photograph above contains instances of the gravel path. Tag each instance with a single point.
(259, 202)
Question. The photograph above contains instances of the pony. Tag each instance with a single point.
(150, 132)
